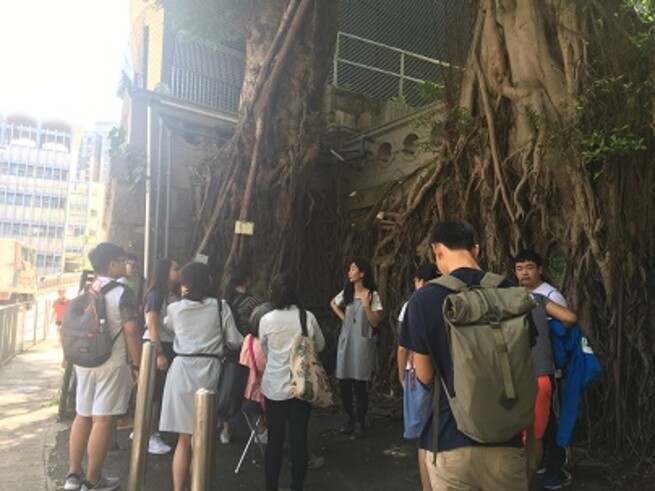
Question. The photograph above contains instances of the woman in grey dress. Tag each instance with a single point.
(360, 309)
(201, 338)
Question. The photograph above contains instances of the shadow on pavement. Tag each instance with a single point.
(382, 461)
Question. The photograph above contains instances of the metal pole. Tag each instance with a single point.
(46, 319)
(203, 431)
(402, 74)
(335, 62)
(36, 322)
(156, 179)
(169, 165)
(142, 415)
(148, 197)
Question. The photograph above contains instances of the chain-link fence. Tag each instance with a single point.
(384, 72)
(393, 49)
(210, 76)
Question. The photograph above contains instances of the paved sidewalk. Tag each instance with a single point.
(29, 384)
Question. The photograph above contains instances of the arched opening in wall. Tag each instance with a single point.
(409, 145)
(192, 139)
(384, 152)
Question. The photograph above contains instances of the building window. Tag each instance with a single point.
(76, 230)
(48, 260)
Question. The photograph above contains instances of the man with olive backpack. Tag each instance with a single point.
(471, 336)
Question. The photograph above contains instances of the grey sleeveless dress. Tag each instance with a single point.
(356, 350)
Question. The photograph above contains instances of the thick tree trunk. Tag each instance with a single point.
(262, 173)
(544, 81)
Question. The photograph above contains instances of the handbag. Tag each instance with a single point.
(417, 405)
(308, 379)
(232, 382)
(231, 388)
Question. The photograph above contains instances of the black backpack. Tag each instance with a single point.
(85, 336)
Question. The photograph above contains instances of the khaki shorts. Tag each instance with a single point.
(103, 391)
(479, 469)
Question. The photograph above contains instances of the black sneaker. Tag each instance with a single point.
(557, 481)
(348, 428)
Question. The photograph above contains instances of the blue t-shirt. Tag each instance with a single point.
(154, 302)
(424, 332)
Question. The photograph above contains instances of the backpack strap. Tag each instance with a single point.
(491, 280)
(435, 414)
(455, 284)
(451, 282)
(110, 286)
(501, 345)
(102, 306)
(239, 300)
(303, 321)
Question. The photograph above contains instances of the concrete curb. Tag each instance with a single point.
(50, 444)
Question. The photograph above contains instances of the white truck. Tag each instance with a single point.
(17, 271)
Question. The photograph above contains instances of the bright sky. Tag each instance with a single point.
(62, 58)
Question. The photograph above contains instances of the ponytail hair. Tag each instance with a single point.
(283, 291)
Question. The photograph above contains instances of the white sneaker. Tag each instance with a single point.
(263, 437)
(225, 437)
(157, 446)
(73, 482)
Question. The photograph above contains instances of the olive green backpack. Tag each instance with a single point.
(495, 385)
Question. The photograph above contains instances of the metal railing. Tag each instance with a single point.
(382, 71)
(36, 323)
(204, 90)
(54, 283)
(11, 337)
(22, 325)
